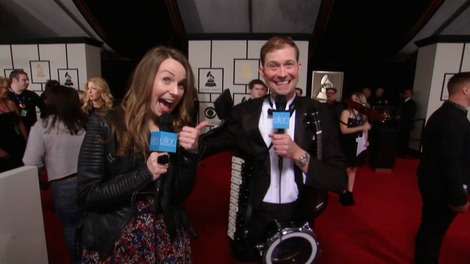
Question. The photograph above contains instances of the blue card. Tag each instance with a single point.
(162, 141)
(281, 119)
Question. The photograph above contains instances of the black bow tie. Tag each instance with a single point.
(291, 110)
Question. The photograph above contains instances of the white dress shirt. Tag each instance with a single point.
(289, 190)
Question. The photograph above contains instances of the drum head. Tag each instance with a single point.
(293, 247)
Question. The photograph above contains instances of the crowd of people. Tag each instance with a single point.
(120, 202)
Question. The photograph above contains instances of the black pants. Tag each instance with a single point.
(403, 140)
(435, 221)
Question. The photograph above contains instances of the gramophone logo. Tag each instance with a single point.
(325, 83)
(210, 80)
(68, 79)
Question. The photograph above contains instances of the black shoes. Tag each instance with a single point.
(346, 198)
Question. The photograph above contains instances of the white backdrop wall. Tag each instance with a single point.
(22, 236)
(230, 64)
(69, 63)
(436, 63)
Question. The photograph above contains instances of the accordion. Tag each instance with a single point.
(238, 207)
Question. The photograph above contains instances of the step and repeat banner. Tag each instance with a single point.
(231, 64)
(69, 63)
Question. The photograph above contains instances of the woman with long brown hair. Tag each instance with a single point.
(13, 132)
(132, 202)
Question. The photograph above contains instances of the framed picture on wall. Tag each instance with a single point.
(321, 80)
(69, 77)
(7, 72)
(211, 80)
(245, 70)
(444, 91)
(40, 71)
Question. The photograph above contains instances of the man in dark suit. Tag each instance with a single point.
(274, 195)
(444, 171)
(405, 117)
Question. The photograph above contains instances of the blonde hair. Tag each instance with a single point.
(105, 94)
(137, 101)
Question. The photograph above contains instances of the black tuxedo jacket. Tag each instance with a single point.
(240, 134)
(407, 114)
(445, 162)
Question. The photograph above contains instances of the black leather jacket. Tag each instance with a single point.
(110, 184)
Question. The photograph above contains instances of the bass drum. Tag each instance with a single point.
(291, 245)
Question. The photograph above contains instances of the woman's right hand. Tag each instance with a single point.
(366, 127)
(154, 167)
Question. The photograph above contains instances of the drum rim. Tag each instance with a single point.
(290, 233)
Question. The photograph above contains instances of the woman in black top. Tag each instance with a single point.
(13, 139)
(132, 203)
(354, 128)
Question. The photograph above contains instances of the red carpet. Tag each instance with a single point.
(380, 228)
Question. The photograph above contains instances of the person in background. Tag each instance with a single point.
(98, 98)
(444, 169)
(366, 91)
(26, 101)
(331, 95)
(257, 89)
(53, 144)
(379, 101)
(332, 101)
(48, 85)
(353, 125)
(13, 132)
(405, 117)
(131, 199)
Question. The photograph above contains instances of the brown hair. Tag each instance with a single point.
(254, 82)
(457, 82)
(276, 43)
(15, 74)
(136, 102)
(4, 82)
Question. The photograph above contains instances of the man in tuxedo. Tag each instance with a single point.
(406, 115)
(444, 171)
(274, 195)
